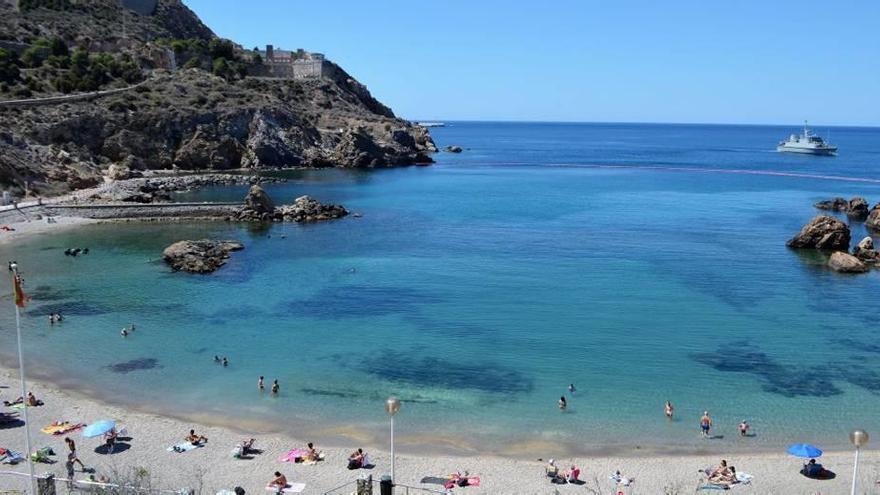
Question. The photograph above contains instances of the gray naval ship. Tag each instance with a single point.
(807, 143)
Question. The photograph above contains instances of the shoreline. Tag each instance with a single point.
(213, 468)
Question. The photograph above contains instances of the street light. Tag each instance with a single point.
(858, 438)
(392, 406)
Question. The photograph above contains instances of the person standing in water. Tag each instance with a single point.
(275, 387)
(744, 428)
(260, 384)
(705, 424)
(668, 409)
(562, 403)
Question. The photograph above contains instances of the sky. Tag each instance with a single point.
(688, 61)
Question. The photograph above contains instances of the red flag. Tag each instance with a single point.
(20, 297)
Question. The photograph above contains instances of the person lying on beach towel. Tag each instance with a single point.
(32, 401)
(244, 448)
(10, 456)
(621, 479)
(61, 428)
(458, 479)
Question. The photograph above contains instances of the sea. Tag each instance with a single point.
(638, 262)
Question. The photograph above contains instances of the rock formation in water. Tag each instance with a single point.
(259, 207)
(856, 207)
(822, 232)
(865, 251)
(197, 108)
(873, 220)
(846, 263)
(202, 256)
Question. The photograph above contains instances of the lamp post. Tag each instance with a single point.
(392, 406)
(858, 438)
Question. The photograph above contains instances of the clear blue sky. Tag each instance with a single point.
(759, 61)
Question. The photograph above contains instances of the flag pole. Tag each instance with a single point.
(27, 423)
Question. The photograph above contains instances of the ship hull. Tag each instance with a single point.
(807, 151)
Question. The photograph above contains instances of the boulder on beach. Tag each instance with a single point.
(846, 263)
(202, 256)
(822, 232)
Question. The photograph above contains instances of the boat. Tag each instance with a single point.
(430, 124)
(807, 143)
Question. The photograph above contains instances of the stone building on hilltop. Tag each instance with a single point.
(298, 64)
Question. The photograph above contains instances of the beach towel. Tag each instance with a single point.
(291, 488)
(182, 447)
(11, 457)
(293, 455)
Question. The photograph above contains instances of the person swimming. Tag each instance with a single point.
(260, 384)
(571, 388)
(216, 358)
(562, 403)
(225, 362)
(124, 332)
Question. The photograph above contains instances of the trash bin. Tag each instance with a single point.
(386, 486)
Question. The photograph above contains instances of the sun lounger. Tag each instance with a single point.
(291, 488)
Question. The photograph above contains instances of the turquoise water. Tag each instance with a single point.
(625, 259)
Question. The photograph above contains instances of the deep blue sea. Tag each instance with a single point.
(641, 263)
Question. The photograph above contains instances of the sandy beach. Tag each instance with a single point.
(212, 467)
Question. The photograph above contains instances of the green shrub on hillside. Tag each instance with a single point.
(9, 72)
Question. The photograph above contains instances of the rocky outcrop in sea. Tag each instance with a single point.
(201, 256)
(822, 232)
(846, 263)
(259, 207)
(856, 207)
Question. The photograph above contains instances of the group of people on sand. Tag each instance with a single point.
(261, 385)
(562, 477)
(358, 459)
(722, 474)
(31, 400)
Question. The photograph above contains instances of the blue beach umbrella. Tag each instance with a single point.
(98, 428)
(804, 450)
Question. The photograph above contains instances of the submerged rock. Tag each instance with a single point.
(454, 149)
(822, 232)
(202, 256)
(846, 263)
(836, 204)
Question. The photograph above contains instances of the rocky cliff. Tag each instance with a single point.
(188, 118)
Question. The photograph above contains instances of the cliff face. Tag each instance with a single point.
(190, 118)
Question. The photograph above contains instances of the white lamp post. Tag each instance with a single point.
(858, 438)
(392, 406)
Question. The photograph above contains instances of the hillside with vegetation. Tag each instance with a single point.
(185, 101)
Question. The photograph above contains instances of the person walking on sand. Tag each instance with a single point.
(705, 424)
(275, 387)
(260, 384)
(72, 457)
(668, 409)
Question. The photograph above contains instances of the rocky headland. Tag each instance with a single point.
(202, 256)
(189, 100)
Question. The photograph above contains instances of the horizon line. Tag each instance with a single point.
(622, 122)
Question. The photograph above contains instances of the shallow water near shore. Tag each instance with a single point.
(641, 263)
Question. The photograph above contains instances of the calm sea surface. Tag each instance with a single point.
(639, 262)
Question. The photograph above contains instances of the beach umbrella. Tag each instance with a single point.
(804, 450)
(98, 428)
